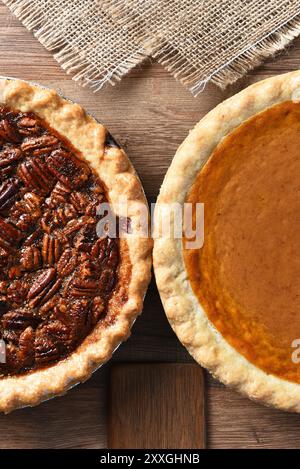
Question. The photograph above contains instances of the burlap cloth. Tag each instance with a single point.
(99, 41)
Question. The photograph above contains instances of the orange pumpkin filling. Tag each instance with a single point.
(247, 274)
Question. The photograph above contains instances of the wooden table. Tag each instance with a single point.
(149, 113)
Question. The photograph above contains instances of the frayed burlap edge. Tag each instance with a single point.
(70, 58)
(179, 66)
(252, 57)
(73, 61)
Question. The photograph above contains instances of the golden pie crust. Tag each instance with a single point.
(233, 303)
(111, 164)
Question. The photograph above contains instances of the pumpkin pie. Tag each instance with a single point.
(234, 301)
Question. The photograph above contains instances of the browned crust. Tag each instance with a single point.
(115, 170)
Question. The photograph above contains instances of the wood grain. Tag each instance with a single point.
(76, 420)
(233, 421)
(150, 114)
(156, 406)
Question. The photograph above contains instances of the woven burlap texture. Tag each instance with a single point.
(198, 41)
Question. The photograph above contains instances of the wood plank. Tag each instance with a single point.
(233, 421)
(156, 406)
(76, 420)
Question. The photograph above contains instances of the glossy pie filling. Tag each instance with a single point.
(247, 275)
(56, 275)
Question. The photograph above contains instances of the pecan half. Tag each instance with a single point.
(84, 288)
(18, 320)
(41, 283)
(51, 249)
(106, 251)
(67, 168)
(34, 173)
(28, 125)
(9, 156)
(26, 212)
(49, 306)
(78, 319)
(98, 307)
(51, 341)
(31, 258)
(38, 146)
(67, 263)
(48, 294)
(32, 202)
(26, 347)
(45, 349)
(10, 232)
(107, 282)
(44, 288)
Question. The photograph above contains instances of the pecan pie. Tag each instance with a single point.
(68, 294)
(234, 302)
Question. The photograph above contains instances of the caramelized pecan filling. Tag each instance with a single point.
(56, 275)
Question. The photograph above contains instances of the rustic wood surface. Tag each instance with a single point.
(143, 410)
(150, 114)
